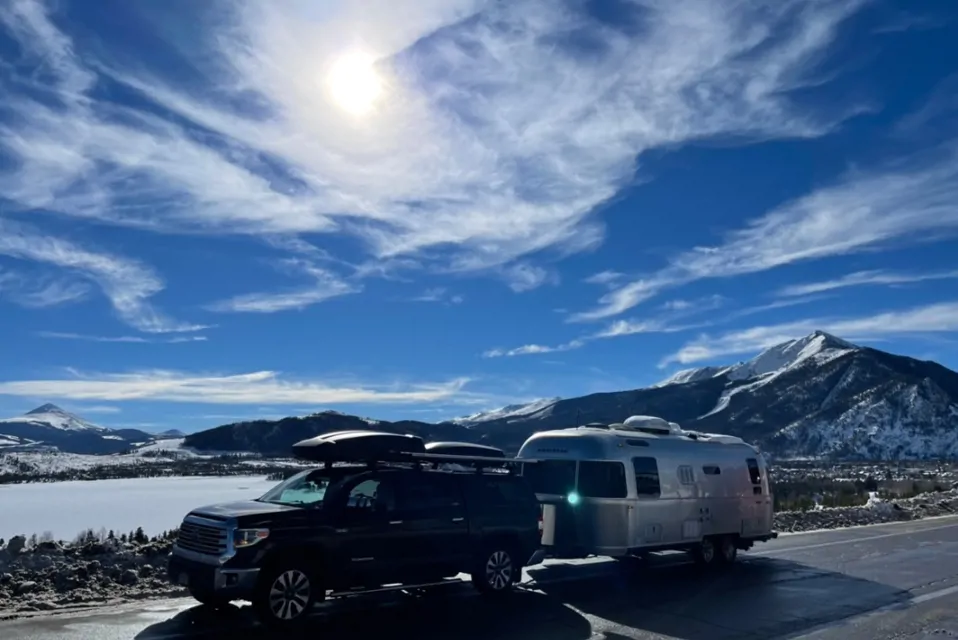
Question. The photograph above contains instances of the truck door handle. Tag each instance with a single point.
(395, 522)
(460, 519)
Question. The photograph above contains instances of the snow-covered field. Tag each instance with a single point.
(156, 504)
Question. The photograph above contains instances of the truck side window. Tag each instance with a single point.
(429, 494)
(646, 477)
(602, 479)
(363, 496)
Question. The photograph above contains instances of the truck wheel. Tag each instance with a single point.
(285, 595)
(704, 554)
(496, 570)
(208, 598)
(727, 550)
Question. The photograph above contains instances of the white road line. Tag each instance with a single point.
(820, 545)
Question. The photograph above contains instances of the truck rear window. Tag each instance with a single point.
(602, 479)
(553, 477)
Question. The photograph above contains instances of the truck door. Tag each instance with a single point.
(435, 529)
(366, 545)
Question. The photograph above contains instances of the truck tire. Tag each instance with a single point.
(727, 550)
(285, 595)
(208, 598)
(705, 552)
(496, 571)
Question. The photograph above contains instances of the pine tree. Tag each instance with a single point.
(111, 535)
(140, 536)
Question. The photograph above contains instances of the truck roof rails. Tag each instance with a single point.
(374, 447)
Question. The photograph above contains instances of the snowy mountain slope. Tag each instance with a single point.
(52, 416)
(506, 412)
(51, 426)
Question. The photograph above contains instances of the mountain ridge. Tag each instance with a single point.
(815, 396)
(50, 426)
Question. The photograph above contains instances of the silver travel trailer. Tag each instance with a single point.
(627, 489)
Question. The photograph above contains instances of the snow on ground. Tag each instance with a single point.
(157, 452)
(156, 504)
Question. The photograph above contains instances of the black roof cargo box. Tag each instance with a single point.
(357, 446)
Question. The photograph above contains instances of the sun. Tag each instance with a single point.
(354, 83)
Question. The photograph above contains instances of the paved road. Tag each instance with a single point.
(889, 581)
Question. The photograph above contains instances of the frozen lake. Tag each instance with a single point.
(156, 504)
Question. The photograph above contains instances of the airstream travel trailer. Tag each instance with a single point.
(626, 489)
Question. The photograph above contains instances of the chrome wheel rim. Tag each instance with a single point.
(289, 595)
(499, 570)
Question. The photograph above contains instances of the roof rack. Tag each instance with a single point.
(375, 447)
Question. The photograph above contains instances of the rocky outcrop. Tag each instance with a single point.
(53, 576)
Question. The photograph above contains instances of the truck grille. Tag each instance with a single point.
(202, 538)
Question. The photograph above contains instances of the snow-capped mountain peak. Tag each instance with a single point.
(508, 411)
(818, 345)
(52, 416)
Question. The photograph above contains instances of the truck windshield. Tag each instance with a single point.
(306, 488)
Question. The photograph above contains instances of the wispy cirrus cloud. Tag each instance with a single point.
(258, 387)
(929, 319)
(40, 292)
(59, 335)
(865, 278)
(665, 323)
(127, 284)
(495, 138)
(325, 285)
(438, 294)
(914, 200)
(526, 277)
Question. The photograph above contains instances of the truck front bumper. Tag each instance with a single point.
(201, 577)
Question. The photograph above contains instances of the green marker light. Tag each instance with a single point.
(573, 498)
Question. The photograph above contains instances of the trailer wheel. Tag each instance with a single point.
(727, 549)
(705, 552)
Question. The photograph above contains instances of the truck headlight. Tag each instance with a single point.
(248, 537)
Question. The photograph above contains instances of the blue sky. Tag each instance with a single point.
(212, 211)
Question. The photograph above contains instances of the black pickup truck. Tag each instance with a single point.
(413, 520)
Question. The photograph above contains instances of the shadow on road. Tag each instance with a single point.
(756, 598)
(424, 619)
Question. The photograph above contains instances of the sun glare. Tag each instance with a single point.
(354, 83)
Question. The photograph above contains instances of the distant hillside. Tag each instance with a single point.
(816, 396)
(50, 426)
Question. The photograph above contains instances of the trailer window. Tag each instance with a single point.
(552, 477)
(755, 474)
(646, 476)
(602, 479)
(711, 470)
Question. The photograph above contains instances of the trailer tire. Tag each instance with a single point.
(727, 550)
(705, 552)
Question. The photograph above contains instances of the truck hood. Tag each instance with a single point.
(225, 510)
